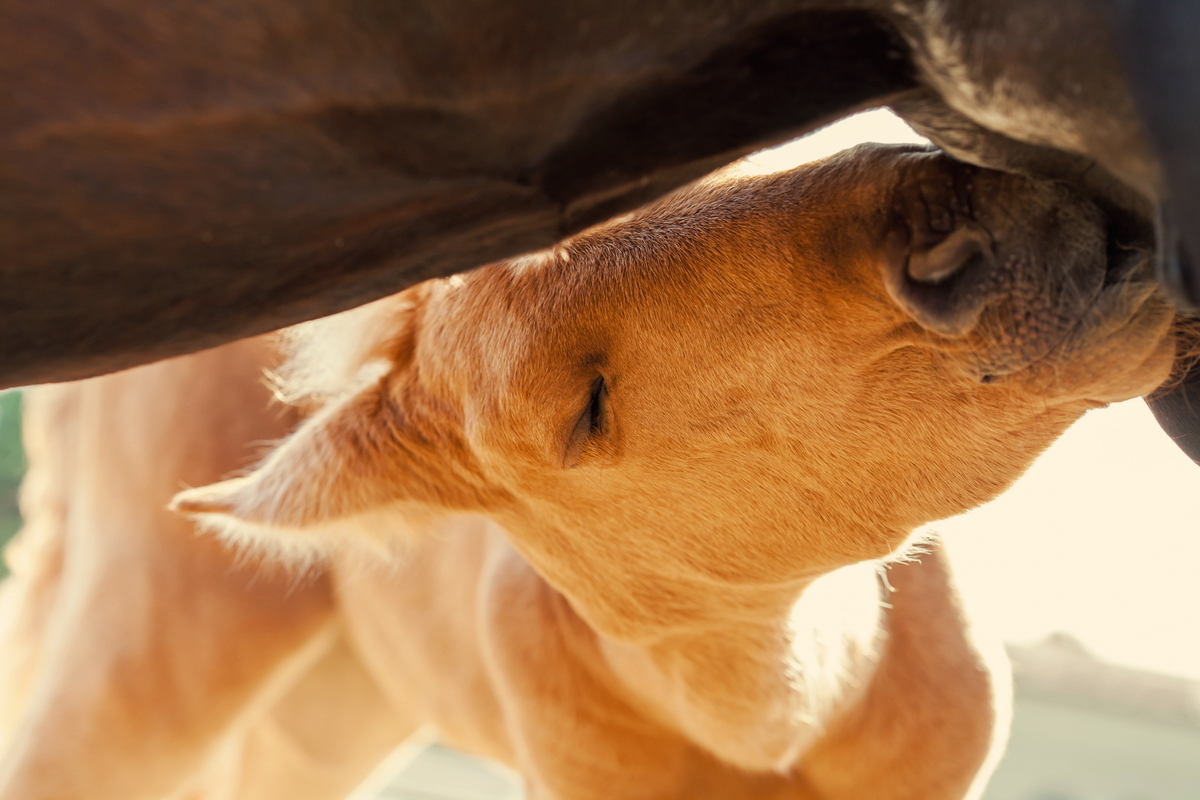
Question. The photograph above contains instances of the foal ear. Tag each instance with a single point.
(341, 473)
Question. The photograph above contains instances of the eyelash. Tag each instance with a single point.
(595, 409)
(591, 423)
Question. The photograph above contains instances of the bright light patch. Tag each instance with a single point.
(879, 125)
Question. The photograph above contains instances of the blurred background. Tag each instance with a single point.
(1086, 569)
(12, 466)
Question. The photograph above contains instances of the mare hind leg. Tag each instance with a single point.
(319, 742)
(141, 644)
(35, 556)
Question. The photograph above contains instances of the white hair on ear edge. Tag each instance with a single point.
(304, 501)
(326, 358)
(381, 535)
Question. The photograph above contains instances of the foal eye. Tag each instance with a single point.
(595, 409)
(591, 423)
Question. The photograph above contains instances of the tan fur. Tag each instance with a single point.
(677, 598)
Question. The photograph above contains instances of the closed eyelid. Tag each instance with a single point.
(591, 422)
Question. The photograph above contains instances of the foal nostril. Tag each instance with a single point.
(958, 251)
(944, 285)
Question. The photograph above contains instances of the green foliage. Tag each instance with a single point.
(12, 465)
(12, 454)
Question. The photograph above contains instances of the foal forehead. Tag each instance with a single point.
(716, 268)
(673, 266)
